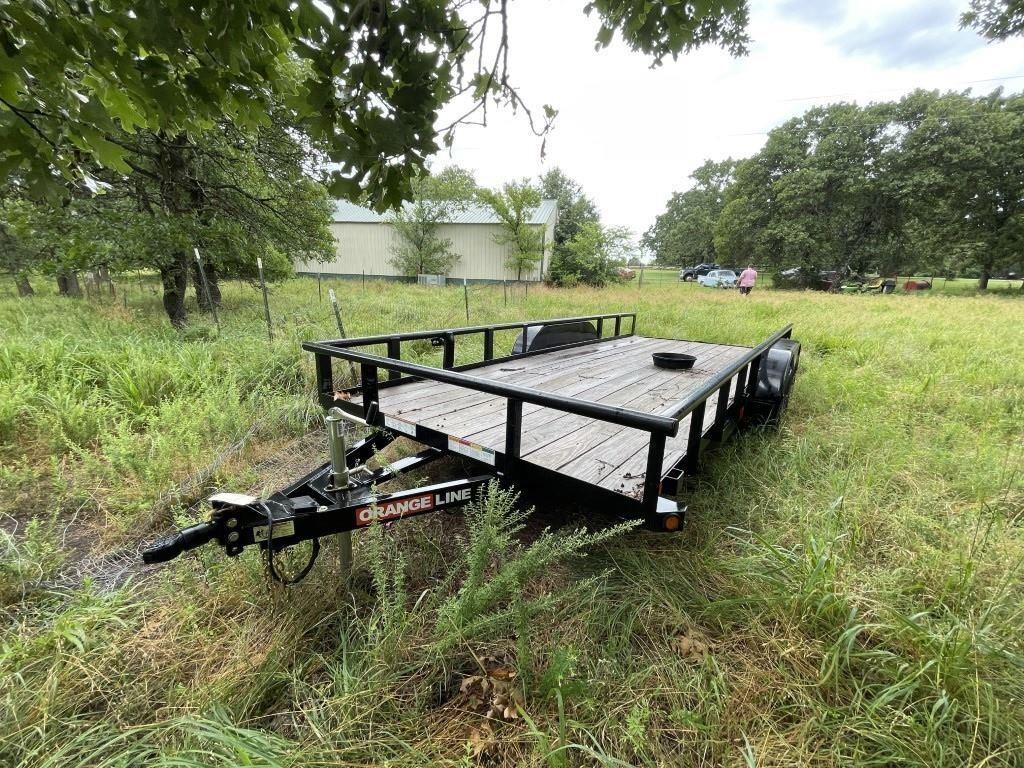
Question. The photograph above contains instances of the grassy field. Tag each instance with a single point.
(848, 590)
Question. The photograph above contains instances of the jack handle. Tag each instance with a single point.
(371, 415)
(171, 546)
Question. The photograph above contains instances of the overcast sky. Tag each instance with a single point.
(631, 135)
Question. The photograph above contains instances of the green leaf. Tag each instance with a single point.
(106, 153)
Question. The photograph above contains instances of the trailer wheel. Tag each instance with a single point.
(774, 383)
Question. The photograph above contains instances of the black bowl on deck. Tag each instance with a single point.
(673, 360)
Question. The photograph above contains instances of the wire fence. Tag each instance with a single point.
(302, 309)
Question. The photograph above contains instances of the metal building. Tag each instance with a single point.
(364, 240)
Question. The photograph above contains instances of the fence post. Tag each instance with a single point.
(341, 328)
(465, 296)
(641, 283)
(206, 289)
(266, 302)
(319, 287)
(504, 290)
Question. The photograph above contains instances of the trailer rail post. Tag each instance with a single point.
(489, 344)
(395, 353)
(693, 439)
(448, 360)
(368, 374)
(721, 412)
(652, 477)
(513, 436)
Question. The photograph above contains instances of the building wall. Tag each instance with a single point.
(367, 247)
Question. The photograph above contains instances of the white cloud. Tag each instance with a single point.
(631, 135)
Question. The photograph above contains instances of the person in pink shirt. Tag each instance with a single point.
(747, 279)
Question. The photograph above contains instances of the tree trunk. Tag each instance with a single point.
(212, 282)
(175, 280)
(983, 280)
(68, 285)
(24, 286)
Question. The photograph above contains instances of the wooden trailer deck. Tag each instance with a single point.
(616, 372)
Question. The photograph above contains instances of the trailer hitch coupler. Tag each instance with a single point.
(171, 546)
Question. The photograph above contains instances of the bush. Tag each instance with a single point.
(590, 258)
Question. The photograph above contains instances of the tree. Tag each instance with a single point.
(995, 19)
(684, 234)
(234, 195)
(963, 161)
(574, 208)
(16, 255)
(821, 194)
(591, 257)
(514, 204)
(76, 77)
(420, 249)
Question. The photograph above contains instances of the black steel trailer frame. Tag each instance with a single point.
(342, 495)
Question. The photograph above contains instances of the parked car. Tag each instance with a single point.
(830, 280)
(689, 274)
(718, 278)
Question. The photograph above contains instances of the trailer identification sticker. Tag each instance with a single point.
(413, 505)
(281, 530)
(396, 424)
(472, 450)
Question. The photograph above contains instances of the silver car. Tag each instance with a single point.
(719, 278)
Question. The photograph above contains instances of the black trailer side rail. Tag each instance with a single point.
(446, 339)
(651, 506)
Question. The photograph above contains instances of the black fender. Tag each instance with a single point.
(775, 378)
(544, 336)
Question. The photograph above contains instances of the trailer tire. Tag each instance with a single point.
(775, 378)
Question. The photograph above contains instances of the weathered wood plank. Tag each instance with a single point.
(517, 368)
(598, 447)
(451, 398)
(628, 476)
(596, 451)
(594, 388)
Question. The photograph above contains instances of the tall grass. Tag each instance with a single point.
(848, 590)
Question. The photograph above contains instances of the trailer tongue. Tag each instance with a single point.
(574, 413)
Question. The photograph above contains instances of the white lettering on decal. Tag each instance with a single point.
(393, 510)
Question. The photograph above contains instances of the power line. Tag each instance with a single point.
(904, 89)
(841, 126)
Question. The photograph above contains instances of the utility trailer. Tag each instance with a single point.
(577, 412)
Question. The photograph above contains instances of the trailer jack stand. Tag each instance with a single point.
(338, 497)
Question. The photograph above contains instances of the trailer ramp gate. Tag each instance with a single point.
(582, 415)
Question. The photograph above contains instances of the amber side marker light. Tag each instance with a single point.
(671, 522)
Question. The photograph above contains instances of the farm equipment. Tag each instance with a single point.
(578, 412)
